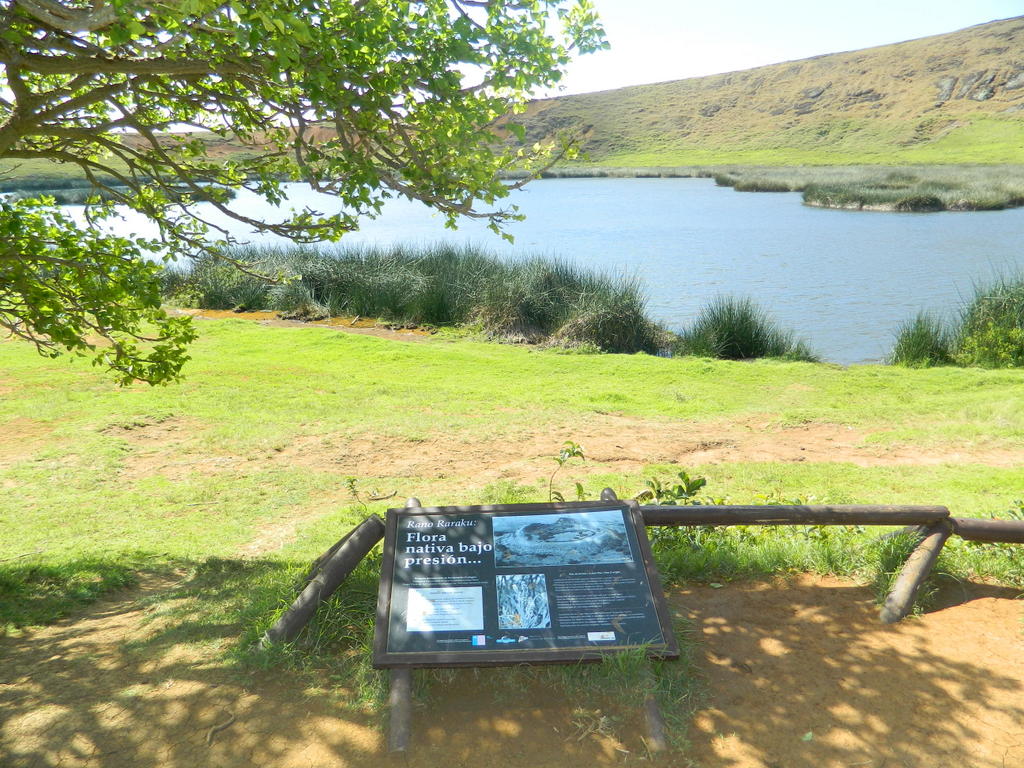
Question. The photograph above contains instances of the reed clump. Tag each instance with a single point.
(923, 342)
(915, 188)
(536, 300)
(989, 332)
(736, 328)
(901, 189)
(992, 326)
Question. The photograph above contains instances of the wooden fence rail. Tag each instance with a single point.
(791, 514)
(932, 524)
(978, 529)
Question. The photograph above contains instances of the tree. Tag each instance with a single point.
(362, 99)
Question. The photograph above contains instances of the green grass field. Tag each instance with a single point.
(278, 439)
(262, 427)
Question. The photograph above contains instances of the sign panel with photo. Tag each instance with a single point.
(519, 583)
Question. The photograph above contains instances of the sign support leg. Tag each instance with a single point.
(656, 741)
(400, 704)
(400, 696)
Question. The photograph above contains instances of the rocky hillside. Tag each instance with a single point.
(957, 97)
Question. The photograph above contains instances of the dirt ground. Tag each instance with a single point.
(522, 453)
(797, 673)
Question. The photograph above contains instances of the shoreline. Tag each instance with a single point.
(872, 188)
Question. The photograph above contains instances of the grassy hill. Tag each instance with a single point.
(953, 98)
(950, 99)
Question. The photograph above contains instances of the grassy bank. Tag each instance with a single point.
(89, 194)
(987, 331)
(533, 300)
(979, 139)
(893, 104)
(901, 188)
(269, 422)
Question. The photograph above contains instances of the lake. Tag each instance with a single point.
(844, 280)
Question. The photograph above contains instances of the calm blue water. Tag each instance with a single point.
(844, 280)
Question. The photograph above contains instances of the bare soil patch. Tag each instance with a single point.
(802, 674)
(21, 438)
(523, 452)
(154, 448)
(616, 443)
(358, 325)
(798, 673)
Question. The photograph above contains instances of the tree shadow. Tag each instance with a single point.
(128, 683)
(140, 678)
(799, 674)
(804, 674)
(37, 593)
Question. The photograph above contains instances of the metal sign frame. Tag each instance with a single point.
(640, 565)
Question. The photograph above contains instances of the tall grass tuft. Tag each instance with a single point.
(989, 332)
(992, 325)
(923, 342)
(537, 300)
(732, 328)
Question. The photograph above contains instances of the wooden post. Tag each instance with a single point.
(334, 570)
(400, 694)
(914, 572)
(400, 705)
(656, 741)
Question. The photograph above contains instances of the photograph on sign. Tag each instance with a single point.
(517, 583)
(523, 601)
(557, 539)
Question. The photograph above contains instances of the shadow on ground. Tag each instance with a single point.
(798, 674)
(141, 678)
(803, 674)
(115, 689)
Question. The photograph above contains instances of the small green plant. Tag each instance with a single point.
(352, 486)
(570, 450)
(670, 494)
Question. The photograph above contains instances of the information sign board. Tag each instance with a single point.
(518, 583)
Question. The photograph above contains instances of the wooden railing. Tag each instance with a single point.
(932, 524)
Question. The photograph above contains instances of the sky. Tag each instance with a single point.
(657, 40)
